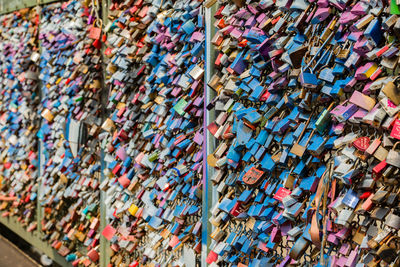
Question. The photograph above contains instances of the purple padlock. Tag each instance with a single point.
(90, 19)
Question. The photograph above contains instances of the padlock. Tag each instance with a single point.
(393, 221)
(387, 253)
(393, 157)
(308, 79)
(299, 248)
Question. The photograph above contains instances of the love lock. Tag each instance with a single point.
(393, 157)
(308, 79)
(388, 250)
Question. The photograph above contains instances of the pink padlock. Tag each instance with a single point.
(345, 249)
(329, 226)
(320, 15)
(91, 233)
(352, 259)
(358, 116)
(275, 235)
(274, 75)
(323, 3)
(347, 17)
(90, 20)
(250, 22)
(360, 9)
(362, 100)
(338, 110)
(253, 10)
(333, 260)
(121, 153)
(261, 17)
(241, 13)
(343, 233)
(341, 262)
(366, 90)
(333, 239)
(338, 128)
(362, 46)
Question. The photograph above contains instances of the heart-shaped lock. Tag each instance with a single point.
(362, 143)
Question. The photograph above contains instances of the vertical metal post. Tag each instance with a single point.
(104, 244)
(41, 158)
(39, 209)
(209, 141)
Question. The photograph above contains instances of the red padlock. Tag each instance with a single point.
(235, 211)
(97, 43)
(362, 143)
(212, 257)
(378, 169)
(396, 130)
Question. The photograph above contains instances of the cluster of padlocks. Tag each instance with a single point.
(70, 76)
(19, 102)
(155, 69)
(308, 130)
(305, 141)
